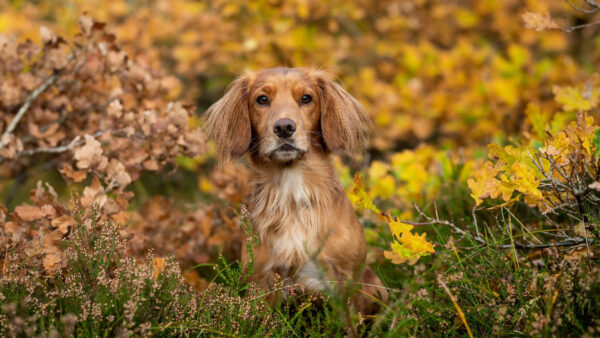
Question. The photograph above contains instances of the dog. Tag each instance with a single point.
(289, 121)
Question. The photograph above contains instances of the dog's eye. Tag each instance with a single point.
(262, 100)
(306, 99)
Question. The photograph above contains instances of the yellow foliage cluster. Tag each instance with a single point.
(565, 167)
(406, 246)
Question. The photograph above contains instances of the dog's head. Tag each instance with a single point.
(280, 114)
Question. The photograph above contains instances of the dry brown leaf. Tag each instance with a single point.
(116, 172)
(52, 260)
(151, 164)
(595, 186)
(48, 210)
(121, 218)
(94, 194)
(28, 81)
(115, 109)
(10, 94)
(116, 60)
(89, 154)
(63, 223)
(194, 280)
(29, 212)
(11, 227)
(86, 23)
(178, 114)
(47, 36)
(57, 59)
(538, 21)
(75, 175)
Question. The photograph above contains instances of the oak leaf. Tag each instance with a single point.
(89, 154)
(29, 212)
(63, 223)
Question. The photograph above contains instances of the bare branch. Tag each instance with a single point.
(572, 28)
(34, 94)
(456, 229)
(566, 243)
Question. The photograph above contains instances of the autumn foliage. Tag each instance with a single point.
(479, 189)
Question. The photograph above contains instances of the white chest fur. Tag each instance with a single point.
(287, 216)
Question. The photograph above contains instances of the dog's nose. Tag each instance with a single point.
(284, 128)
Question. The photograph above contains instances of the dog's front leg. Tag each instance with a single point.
(262, 272)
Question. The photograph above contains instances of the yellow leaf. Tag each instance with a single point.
(573, 98)
(483, 182)
(525, 181)
(409, 248)
(398, 228)
(418, 245)
(399, 254)
(359, 196)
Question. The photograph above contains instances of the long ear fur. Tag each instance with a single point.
(227, 121)
(344, 121)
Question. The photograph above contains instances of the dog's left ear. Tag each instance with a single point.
(344, 121)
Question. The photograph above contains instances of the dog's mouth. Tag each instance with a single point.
(286, 153)
(287, 147)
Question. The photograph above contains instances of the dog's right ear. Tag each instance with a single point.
(227, 121)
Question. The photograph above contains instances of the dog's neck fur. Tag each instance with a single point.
(288, 205)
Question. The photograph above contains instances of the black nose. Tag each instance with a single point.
(284, 128)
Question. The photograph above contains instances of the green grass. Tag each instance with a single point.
(103, 291)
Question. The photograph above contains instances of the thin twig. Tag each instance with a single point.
(77, 141)
(34, 94)
(571, 242)
(582, 10)
(567, 242)
(572, 28)
(431, 221)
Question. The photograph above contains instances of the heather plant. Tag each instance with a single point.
(104, 290)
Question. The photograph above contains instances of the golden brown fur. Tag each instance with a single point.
(307, 229)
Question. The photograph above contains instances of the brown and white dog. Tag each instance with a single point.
(289, 120)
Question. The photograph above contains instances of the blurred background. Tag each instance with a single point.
(445, 73)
